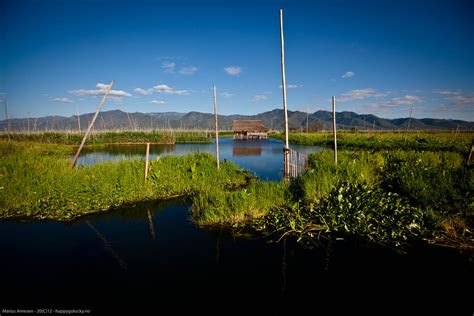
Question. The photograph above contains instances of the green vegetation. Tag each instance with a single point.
(388, 197)
(36, 181)
(385, 196)
(434, 141)
(75, 138)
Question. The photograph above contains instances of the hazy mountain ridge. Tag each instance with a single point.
(320, 120)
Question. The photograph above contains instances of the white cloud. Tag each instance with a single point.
(157, 102)
(188, 70)
(462, 99)
(141, 91)
(100, 90)
(408, 99)
(292, 86)
(226, 94)
(168, 66)
(167, 90)
(62, 100)
(233, 70)
(348, 74)
(360, 94)
(259, 98)
(448, 91)
(162, 88)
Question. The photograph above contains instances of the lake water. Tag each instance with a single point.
(152, 257)
(263, 157)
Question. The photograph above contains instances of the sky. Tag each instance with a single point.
(379, 57)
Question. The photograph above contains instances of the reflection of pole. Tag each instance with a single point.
(334, 128)
(152, 227)
(283, 269)
(286, 149)
(217, 132)
(92, 123)
(107, 246)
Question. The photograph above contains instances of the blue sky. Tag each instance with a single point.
(378, 57)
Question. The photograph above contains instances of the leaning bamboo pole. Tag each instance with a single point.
(286, 149)
(101, 104)
(217, 131)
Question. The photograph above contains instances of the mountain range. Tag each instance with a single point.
(300, 121)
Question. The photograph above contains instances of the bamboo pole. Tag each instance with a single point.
(409, 119)
(217, 132)
(101, 104)
(334, 128)
(78, 118)
(286, 149)
(147, 159)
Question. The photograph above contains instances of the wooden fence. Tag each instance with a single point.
(298, 163)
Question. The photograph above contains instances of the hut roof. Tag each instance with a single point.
(248, 125)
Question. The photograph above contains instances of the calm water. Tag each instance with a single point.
(263, 157)
(151, 257)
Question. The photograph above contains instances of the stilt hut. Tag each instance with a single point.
(249, 129)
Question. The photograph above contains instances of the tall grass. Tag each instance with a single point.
(36, 181)
(119, 137)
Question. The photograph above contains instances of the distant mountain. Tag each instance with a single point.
(320, 120)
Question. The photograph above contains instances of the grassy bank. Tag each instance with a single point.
(36, 181)
(120, 137)
(389, 197)
(433, 141)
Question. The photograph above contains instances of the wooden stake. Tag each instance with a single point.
(217, 132)
(101, 104)
(286, 149)
(470, 153)
(78, 118)
(334, 128)
(147, 159)
(409, 120)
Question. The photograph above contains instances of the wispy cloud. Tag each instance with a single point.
(100, 90)
(168, 66)
(162, 88)
(188, 70)
(62, 100)
(348, 74)
(360, 94)
(259, 98)
(226, 94)
(463, 99)
(448, 91)
(233, 70)
(408, 99)
(157, 102)
(141, 91)
(292, 86)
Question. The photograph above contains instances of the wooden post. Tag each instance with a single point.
(286, 149)
(78, 118)
(470, 153)
(147, 159)
(217, 132)
(307, 117)
(334, 128)
(101, 104)
(409, 119)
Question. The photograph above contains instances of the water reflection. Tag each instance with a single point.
(263, 157)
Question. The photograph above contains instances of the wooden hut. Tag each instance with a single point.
(249, 129)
